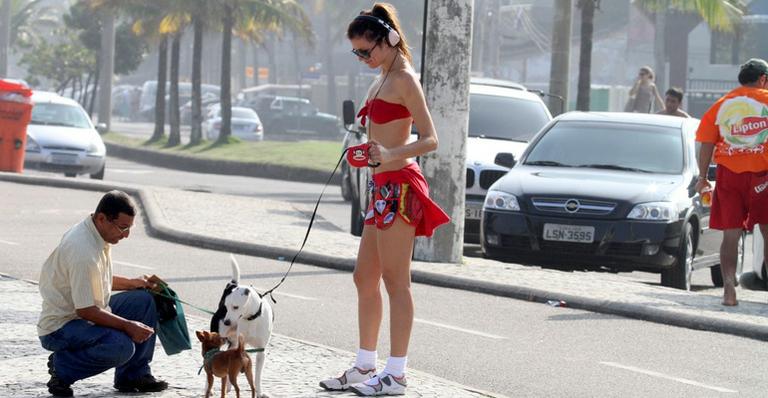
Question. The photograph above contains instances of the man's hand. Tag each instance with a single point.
(137, 331)
(142, 282)
(701, 185)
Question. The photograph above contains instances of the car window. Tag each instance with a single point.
(306, 108)
(506, 118)
(640, 147)
(59, 115)
(243, 113)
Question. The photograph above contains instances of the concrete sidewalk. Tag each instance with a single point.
(293, 368)
(275, 229)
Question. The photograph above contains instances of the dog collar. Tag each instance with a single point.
(208, 357)
(256, 315)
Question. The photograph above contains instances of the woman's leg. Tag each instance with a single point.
(367, 277)
(395, 248)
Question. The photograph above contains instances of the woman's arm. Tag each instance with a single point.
(413, 97)
(659, 100)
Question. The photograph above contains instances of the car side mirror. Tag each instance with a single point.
(348, 110)
(505, 159)
(712, 172)
(101, 128)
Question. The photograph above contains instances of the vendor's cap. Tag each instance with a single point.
(757, 64)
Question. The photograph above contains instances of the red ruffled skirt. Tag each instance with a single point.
(403, 193)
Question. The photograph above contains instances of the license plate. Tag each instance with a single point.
(569, 233)
(62, 158)
(473, 212)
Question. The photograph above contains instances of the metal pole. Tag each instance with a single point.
(561, 54)
(107, 68)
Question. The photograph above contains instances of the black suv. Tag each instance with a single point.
(292, 115)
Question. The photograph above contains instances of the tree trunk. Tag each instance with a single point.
(107, 68)
(679, 26)
(585, 55)
(88, 82)
(95, 89)
(561, 56)
(174, 138)
(226, 82)
(269, 46)
(196, 133)
(5, 36)
(242, 62)
(446, 86)
(659, 48)
(478, 36)
(255, 65)
(162, 77)
(330, 68)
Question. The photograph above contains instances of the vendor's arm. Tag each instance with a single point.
(137, 331)
(123, 283)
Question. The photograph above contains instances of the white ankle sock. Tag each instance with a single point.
(366, 359)
(395, 366)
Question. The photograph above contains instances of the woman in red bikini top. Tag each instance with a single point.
(400, 205)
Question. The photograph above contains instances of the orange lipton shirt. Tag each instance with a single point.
(738, 126)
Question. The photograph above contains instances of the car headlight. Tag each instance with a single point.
(96, 149)
(501, 201)
(32, 145)
(654, 211)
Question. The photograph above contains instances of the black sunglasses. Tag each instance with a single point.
(364, 54)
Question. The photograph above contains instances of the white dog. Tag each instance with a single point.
(249, 314)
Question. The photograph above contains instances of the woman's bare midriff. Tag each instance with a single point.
(391, 135)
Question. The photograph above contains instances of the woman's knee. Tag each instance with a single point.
(367, 282)
(395, 281)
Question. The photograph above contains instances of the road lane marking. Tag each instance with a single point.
(458, 329)
(7, 242)
(123, 263)
(663, 376)
(130, 171)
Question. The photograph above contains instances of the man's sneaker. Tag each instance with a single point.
(146, 383)
(351, 376)
(50, 364)
(381, 385)
(58, 388)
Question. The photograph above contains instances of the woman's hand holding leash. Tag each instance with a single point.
(378, 153)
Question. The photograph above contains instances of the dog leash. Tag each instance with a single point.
(168, 296)
(306, 235)
(208, 356)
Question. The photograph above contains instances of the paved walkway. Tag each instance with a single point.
(293, 366)
(275, 229)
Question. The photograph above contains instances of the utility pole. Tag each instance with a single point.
(446, 87)
(561, 56)
(107, 67)
(5, 37)
(659, 47)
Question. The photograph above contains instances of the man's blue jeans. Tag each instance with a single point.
(82, 349)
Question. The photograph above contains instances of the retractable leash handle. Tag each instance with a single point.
(359, 156)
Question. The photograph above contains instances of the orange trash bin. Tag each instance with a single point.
(15, 113)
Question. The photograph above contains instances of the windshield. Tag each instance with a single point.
(59, 115)
(506, 118)
(617, 146)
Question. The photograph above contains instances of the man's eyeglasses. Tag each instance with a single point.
(364, 54)
(122, 230)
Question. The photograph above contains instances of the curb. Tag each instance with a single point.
(224, 167)
(158, 228)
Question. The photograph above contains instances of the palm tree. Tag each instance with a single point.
(680, 17)
(251, 17)
(585, 56)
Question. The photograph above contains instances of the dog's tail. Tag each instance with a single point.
(235, 269)
(240, 343)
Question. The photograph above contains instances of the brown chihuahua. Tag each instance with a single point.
(225, 364)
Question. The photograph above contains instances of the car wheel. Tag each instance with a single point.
(716, 271)
(679, 276)
(100, 174)
(359, 205)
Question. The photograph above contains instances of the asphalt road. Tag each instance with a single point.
(502, 345)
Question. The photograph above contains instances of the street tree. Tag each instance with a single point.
(676, 19)
(249, 17)
(587, 8)
(23, 23)
(561, 55)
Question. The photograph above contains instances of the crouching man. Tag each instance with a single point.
(88, 330)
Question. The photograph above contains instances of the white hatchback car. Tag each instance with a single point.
(62, 139)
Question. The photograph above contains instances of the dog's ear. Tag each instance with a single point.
(200, 335)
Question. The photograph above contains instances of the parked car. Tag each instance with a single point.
(606, 190)
(185, 111)
(62, 139)
(246, 124)
(293, 115)
(149, 92)
(503, 117)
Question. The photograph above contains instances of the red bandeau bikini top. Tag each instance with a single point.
(385, 112)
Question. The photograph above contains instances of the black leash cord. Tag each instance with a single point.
(309, 228)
